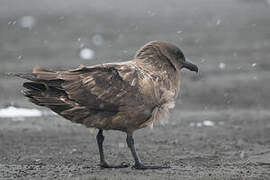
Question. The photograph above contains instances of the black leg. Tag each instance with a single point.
(138, 163)
(103, 163)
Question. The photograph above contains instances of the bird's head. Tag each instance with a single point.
(166, 50)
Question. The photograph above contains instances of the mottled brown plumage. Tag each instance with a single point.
(122, 96)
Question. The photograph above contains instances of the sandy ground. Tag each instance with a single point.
(236, 147)
(220, 126)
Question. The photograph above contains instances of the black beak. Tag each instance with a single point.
(190, 66)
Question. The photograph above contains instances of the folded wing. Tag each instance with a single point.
(99, 91)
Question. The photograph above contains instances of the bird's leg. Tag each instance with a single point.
(103, 163)
(138, 163)
(100, 139)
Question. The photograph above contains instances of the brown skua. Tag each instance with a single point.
(123, 96)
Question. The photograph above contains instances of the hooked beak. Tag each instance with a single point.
(189, 65)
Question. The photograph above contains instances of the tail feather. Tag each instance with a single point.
(38, 69)
(34, 86)
(44, 74)
(52, 98)
(30, 93)
(38, 74)
(44, 88)
(28, 76)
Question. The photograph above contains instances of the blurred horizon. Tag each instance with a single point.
(228, 40)
(11, 8)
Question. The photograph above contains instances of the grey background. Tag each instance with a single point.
(211, 33)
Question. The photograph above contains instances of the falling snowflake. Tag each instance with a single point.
(222, 66)
(20, 57)
(151, 13)
(121, 145)
(27, 22)
(218, 22)
(97, 40)
(86, 53)
(202, 60)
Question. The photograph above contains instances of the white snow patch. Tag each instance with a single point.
(204, 123)
(208, 123)
(86, 53)
(14, 112)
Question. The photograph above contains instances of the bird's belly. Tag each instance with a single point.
(131, 119)
(126, 121)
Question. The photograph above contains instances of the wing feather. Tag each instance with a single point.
(109, 87)
(104, 96)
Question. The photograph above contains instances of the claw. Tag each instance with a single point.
(144, 167)
(106, 165)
